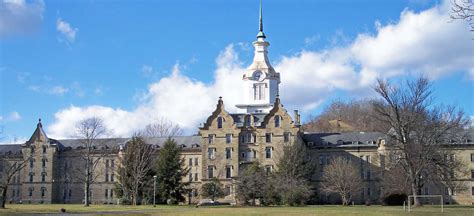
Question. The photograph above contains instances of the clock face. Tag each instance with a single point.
(259, 76)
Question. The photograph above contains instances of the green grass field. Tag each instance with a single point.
(330, 210)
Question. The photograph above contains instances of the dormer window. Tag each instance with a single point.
(277, 121)
(220, 120)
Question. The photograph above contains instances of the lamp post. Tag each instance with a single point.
(154, 190)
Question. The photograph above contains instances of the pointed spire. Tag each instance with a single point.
(260, 29)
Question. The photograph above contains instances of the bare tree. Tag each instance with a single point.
(418, 130)
(89, 132)
(135, 167)
(10, 165)
(463, 10)
(162, 128)
(341, 176)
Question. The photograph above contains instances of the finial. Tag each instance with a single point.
(260, 29)
(39, 123)
(220, 97)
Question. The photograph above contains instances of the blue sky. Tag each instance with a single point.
(134, 62)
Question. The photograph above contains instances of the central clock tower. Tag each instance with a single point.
(260, 79)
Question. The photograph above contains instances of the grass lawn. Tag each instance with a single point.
(330, 210)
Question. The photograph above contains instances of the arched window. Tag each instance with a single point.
(277, 121)
(219, 122)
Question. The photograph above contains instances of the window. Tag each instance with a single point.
(112, 177)
(43, 190)
(106, 177)
(112, 163)
(228, 153)
(190, 177)
(30, 192)
(31, 162)
(249, 138)
(43, 162)
(472, 158)
(248, 120)
(328, 159)
(190, 162)
(268, 137)
(228, 171)
(211, 153)
(369, 191)
(106, 163)
(277, 121)
(106, 193)
(259, 91)
(196, 177)
(426, 191)
(472, 174)
(211, 138)
(220, 120)
(31, 177)
(44, 149)
(228, 138)
(268, 152)
(367, 176)
(472, 191)
(196, 162)
(43, 177)
(367, 158)
(286, 137)
(210, 172)
(321, 160)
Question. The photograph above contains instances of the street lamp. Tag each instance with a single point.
(154, 190)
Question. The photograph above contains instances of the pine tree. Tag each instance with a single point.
(169, 172)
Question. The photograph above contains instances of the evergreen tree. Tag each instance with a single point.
(169, 172)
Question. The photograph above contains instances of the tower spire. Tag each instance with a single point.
(260, 29)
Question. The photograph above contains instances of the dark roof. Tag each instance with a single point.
(343, 139)
(187, 142)
(6, 149)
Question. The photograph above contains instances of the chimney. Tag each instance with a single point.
(297, 118)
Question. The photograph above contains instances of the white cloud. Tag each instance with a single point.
(13, 116)
(19, 17)
(66, 30)
(58, 90)
(419, 43)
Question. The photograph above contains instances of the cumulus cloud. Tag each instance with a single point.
(419, 43)
(66, 30)
(20, 17)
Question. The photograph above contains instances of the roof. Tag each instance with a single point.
(186, 142)
(348, 139)
(6, 149)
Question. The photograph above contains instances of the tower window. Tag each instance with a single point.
(228, 138)
(286, 137)
(268, 152)
(259, 91)
(228, 153)
(268, 137)
(228, 171)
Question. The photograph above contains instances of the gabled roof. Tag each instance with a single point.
(343, 139)
(38, 135)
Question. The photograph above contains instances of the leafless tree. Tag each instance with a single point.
(162, 128)
(10, 165)
(463, 10)
(135, 167)
(341, 176)
(89, 132)
(418, 130)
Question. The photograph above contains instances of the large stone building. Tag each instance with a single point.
(225, 144)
